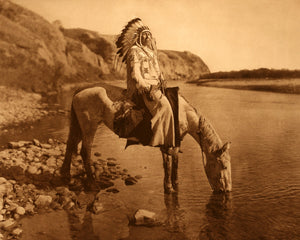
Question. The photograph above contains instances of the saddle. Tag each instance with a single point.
(133, 121)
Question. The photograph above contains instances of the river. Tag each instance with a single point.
(265, 134)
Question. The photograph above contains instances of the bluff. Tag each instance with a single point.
(40, 56)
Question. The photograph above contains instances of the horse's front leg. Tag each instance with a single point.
(174, 176)
(167, 163)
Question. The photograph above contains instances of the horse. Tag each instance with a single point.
(92, 106)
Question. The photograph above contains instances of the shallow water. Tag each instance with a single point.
(265, 134)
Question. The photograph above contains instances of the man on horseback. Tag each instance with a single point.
(145, 81)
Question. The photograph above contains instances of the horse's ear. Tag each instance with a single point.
(225, 147)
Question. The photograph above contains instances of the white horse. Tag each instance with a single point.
(92, 106)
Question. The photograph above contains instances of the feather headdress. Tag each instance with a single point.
(129, 36)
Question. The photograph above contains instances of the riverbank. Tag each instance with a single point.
(291, 86)
(18, 106)
(30, 184)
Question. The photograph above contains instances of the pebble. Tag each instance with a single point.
(20, 210)
(29, 208)
(17, 231)
(32, 170)
(7, 224)
(97, 154)
(130, 181)
(43, 201)
(36, 142)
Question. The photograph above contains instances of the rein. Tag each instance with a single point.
(202, 152)
(200, 142)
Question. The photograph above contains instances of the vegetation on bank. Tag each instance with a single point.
(256, 73)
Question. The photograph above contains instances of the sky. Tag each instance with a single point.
(226, 34)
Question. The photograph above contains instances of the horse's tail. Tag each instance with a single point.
(75, 134)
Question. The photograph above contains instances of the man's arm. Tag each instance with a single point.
(135, 64)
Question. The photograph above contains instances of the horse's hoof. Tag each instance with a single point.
(65, 178)
(169, 190)
(175, 186)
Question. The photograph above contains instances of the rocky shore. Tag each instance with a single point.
(30, 184)
(18, 106)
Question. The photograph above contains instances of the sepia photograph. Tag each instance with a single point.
(149, 120)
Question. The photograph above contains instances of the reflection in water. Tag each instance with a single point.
(218, 216)
(175, 216)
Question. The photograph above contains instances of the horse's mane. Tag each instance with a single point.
(209, 135)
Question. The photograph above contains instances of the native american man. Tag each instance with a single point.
(137, 49)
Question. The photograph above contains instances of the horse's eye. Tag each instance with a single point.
(222, 164)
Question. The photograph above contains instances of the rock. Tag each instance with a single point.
(43, 201)
(36, 142)
(7, 224)
(3, 189)
(145, 218)
(45, 145)
(2, 180)
(63, 191)
(104, 183)
(17, 231)
(1, 218)
(130, 181)
(97, 154)
(29, 208)
(113, 170)
(32, 169)
(51, 162)
(1, 236)
(111, 159)
(111, 164)
(20, 210)
(113, 190)
(1, 202)
(13, 145)
(138, 177)
(12, 206)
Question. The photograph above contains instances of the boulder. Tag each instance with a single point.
(43, 201)
(144, 217)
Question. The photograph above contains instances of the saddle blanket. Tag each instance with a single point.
(134, 122)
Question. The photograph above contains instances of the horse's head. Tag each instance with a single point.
(218, 169)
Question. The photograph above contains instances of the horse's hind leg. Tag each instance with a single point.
(71, 149)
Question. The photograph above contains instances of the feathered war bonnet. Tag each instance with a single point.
(130, 35)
